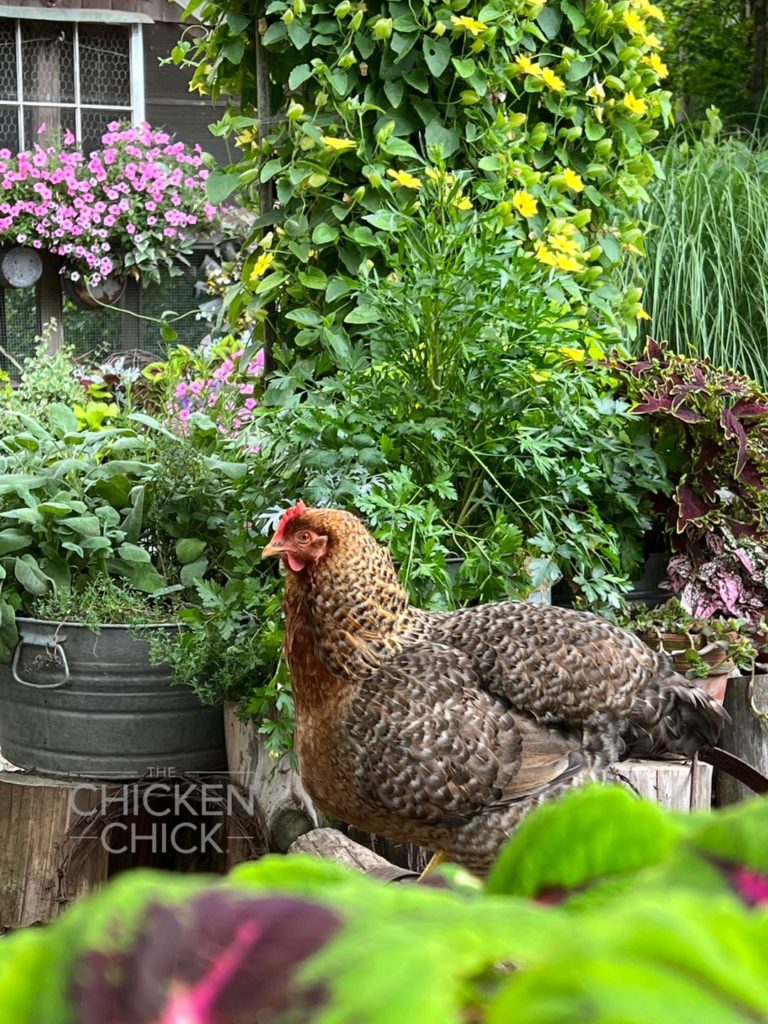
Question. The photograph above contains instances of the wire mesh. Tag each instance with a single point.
(177, 294)
(9, 128)
(8, 87)
(105, 66)
(47, 62)
(93, 124)
(18, 327)
(101, 332)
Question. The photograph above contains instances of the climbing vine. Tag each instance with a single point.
(537, 114)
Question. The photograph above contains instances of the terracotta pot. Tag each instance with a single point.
(676, 645)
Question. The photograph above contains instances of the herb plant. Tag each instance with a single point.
(78, 507)
(476, 427)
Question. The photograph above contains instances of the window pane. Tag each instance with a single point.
(105, 68)
(7, 61)
(9, 128)
(57, 120)
(47, 62)
(94, 124)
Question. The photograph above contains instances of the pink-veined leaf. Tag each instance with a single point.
(745, 560)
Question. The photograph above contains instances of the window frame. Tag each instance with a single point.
(135, 112)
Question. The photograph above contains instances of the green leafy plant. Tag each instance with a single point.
(78, 507)
(711, 50)
(102, 600)
(477, 428)
(543, 111)
(599, 900)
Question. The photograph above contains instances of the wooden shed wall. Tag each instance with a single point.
(158, 10)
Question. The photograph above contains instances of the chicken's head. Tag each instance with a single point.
(327, 538)
(297, 540)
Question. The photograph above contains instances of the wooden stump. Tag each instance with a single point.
(677, 785)
(61, 838)
(746, 701)
(35, 816)
(330, 844)
(275, 784)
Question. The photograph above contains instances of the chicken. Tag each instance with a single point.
(444, 729)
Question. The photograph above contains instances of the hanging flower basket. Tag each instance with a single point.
(107, 292)
(137, 205)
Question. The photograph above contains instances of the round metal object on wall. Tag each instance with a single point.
(20, 267)
(95, 296)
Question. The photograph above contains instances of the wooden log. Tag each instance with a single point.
(330, 844)
(36, 814)
(678, 785)
(275, 784)
(746, 701)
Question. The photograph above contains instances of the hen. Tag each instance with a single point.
(444, 729)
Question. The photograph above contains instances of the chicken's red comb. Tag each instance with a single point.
(288, 515)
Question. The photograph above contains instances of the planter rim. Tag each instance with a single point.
(100, 625)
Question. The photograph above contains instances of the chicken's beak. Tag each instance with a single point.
(274, 548)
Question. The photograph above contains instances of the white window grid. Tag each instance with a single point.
(134, 112)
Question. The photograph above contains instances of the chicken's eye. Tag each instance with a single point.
(303, 537)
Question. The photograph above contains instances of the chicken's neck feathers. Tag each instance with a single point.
(355, 613)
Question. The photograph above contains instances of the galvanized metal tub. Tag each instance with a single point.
(77, 702)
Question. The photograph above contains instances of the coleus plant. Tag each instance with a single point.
(600, 900)
(710, 426)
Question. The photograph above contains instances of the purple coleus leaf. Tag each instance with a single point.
(708, 452)
(661, 403)
(739, 529)
(223, 957)
(708, 484)
(656, 351)
(691, 506)
(746, 409)
(638, 368)
(687, 415)
(734, 429)
(751, 475)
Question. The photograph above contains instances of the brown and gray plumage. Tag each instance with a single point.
(444, 729)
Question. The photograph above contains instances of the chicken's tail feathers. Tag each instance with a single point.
(672, 716)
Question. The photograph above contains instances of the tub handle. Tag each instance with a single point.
(54, 649)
